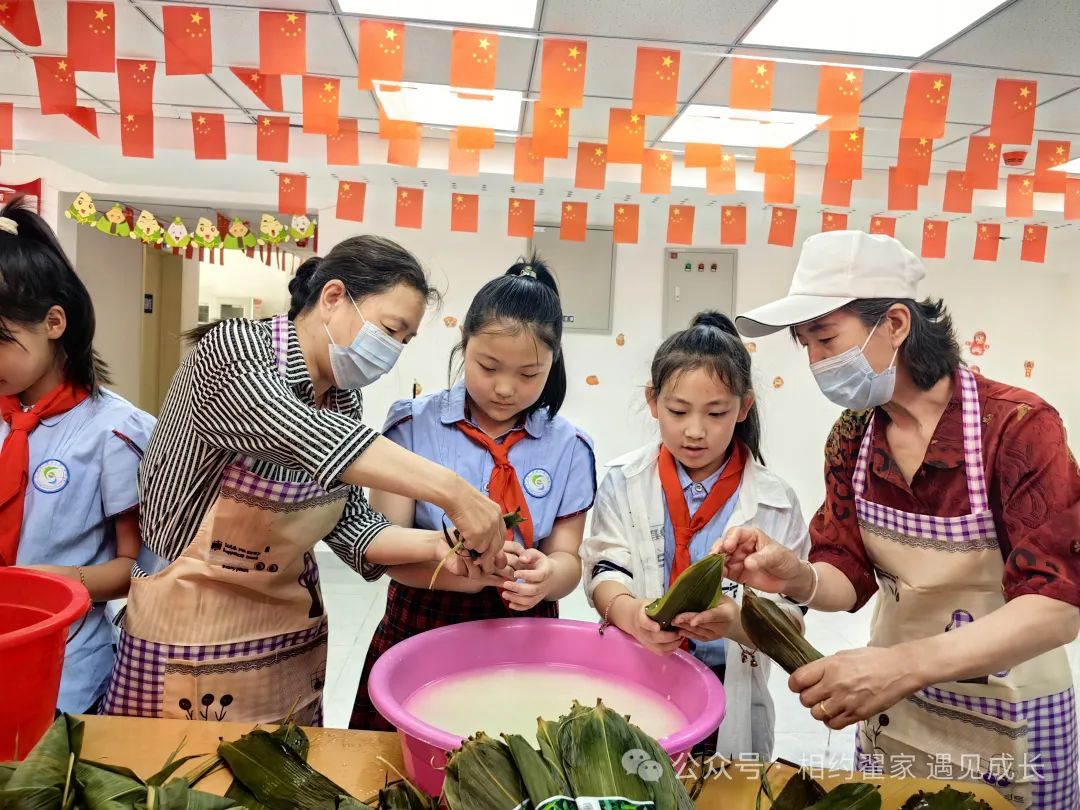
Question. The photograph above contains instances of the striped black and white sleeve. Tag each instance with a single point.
(358, 526)
(243, 405)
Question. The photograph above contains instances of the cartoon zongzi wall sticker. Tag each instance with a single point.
(239, 236)
(620, 339)
(751, 347)
(978, 345)
(177, 236)
(206, 235)
(147, 229)
(82, 210)
(449, 321)
(114, 222)
(976, 369)
(592, 379)
(778, 382)
(1029, 367)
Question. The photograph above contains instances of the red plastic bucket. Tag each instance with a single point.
(36, 611)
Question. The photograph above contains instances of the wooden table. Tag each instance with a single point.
(352, 760)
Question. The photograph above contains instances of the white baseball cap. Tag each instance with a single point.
(835, 269)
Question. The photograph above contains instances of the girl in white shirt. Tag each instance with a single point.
(661, 508)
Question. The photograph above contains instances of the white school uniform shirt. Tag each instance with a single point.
(626, 545)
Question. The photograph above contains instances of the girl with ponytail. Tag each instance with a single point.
(500, 429)
(661, 508)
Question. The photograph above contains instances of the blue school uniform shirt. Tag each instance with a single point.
(555, 464)
(82, 474)
(710, 653)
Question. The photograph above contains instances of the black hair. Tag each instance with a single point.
(35, 276)
(526, 296)
(712, 343)
(367, 265)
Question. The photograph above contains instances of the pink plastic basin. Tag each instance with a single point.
(449, 651)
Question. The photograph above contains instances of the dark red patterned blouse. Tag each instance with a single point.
(1033, 480)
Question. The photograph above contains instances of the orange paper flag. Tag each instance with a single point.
(835, 191)
(721, 179)
(780, 188)
(19, 18)
(885, 226)
(839, 96)
(272, 138)
(983, 158)
(656, 81)
(208, 130)
(1020, 196)
(934, 236)
(520, 218)
(833, 222)
(626, 223)
(987, 237)
(751, 84)
(266, 88)
(626, 136)
(562, 73)
(462, 162)
(137, 135)
(551, 131)
(768, 160)
(1072, 198)
(464, 212)
(574, 219)
(404, 151)
(733, 225)
(381, 53)
(1013, 117)
(528, 168)
(391, 129)
(188, 45)
(91, 37)
(957, 194)
(1048, 155)
(350, 200)
(7, 113)
(343, 149)
(591, 166)
(322, 99)
(703, 155)
(1033, 246)
(292, 194)
(782, 227)
(680, 225)
(656, 172)
(476, 138)
(136, 81)
(473, 55)
(913, 159)
(903, 195)
(846, 154)
(410, 208)
(282, 43)
(926, 105)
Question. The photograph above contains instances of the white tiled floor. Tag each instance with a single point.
(355, 608)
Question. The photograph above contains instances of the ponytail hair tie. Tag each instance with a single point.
(527, 272)
(9, 226)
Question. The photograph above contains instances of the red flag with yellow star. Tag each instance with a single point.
(528, 167)
(626, 218)
(282, 43)
(721, 179)
(752, 84)
(835, 190)
(1033, 245)
(381, 53)
(703, 155)
(461, 161)
(391, 129)
(272, 138)
(409, 212)
(839, 96)
(591, 166)
(1020, 196)
(926, 105)
(656, 81)
(913, 159)
(473, 55)
(136, 80)
(575, 217)
(56, 84)
(626, 136)
(476, 138)
(903, 191)
(833, 222)
(656, 172)
(987, 241)
(189, 50)
(886, 226)
(85, 117)
(846, 154)
(322, 100)
(520, 218)
(350, 201)
(464, 212)
(19, 18)
(405, 151)
(782, 226)
(780, 187)
(137, 135)
(562, 73)
(551, 131)
(343, 149)
(935, 235)
(208, 132)
(958, 193)
(680, 225)
(770, 160)
(983, 158)
(91, 37)
(1072, 198)
(267, 88)
(1013, 117)
(733, 225)
(1048, 155)
(292, 194)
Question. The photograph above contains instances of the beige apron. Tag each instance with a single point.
(936, 574)
(234, 629)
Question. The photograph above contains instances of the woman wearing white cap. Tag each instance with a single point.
(957, 498)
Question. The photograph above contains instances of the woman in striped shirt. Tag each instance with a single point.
(259, 453)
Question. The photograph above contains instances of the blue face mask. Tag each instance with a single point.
(850, 381)
(371, 355)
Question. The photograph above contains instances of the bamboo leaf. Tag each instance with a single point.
(31, 798)
(946, 799)
(697, 589)
(104, 788)
(800, 792)
(176, 795)
(851, 796)
(48, 763)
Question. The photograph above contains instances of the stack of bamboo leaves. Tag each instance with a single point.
(802, 792)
